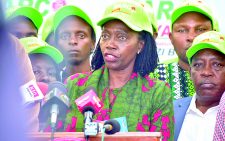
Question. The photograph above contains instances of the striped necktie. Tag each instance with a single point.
(219, 132)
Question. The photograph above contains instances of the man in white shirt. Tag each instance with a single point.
(195, 117)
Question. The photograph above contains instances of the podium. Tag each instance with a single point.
(121, 136)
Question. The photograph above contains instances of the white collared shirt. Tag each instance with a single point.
(198, 126)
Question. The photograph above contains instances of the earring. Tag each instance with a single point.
(91, 51)
(138, 52)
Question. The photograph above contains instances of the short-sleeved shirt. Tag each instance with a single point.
(146, 103)
(179, 79)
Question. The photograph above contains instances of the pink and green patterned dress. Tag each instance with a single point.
(146, 103)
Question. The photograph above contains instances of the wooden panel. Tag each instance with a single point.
(129, 136)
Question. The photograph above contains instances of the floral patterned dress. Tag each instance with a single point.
(146, 103)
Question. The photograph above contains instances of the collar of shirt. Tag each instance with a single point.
(201, 125)
(193, 109)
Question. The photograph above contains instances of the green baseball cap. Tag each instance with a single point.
(71, 10)
(47, 27)
(150, 12)
(211, 39)
(152, 18)
(26, 11)
(129, 12)
(34, 45)
(194, 6)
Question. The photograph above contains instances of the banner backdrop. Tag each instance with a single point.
(95, 8)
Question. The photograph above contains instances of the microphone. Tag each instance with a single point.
(89, 99)
(111, 126)
(123, 123)
(31, 93)
(89, 104)
(56, 103)
(43, 87)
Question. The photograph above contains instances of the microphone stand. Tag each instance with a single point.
(87, 120)
(54, 113)
(52, 133)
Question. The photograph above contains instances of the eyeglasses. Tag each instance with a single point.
(68, 35)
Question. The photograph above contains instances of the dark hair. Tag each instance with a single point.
(93, 36)
(146, 61)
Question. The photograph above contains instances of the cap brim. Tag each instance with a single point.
(189, 8)
(121, 18)
(194, 49)
(50, 51)
(30, 13)
(69, 10)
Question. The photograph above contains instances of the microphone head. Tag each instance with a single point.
(58, 90)
(58, 85)
(56, 95)
(115, 127)
(31, 92)
(43, 87)
(89, 99)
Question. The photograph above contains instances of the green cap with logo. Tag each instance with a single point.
(211, 39)
(129, 12)
(34, 45)
(71, 10)
(47, 27)
(26, 11)
(150, 12)
(199, 6)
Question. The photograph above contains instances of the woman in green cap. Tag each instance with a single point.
(122, 61)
